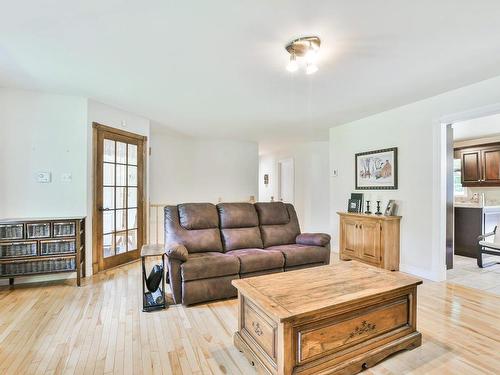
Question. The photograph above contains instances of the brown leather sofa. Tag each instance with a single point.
(208, 246)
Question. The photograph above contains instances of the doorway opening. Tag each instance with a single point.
(472, 199)
(286, 178)
(119, 197)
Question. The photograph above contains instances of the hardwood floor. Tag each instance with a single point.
(57, 328)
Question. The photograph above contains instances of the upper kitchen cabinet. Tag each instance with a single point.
(491, 165)
(480, 165)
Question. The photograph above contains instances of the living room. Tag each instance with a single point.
(222, 142)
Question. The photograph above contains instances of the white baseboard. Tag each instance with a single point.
(421, 272)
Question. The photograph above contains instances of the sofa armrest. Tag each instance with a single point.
(313, 239)
(176, 251)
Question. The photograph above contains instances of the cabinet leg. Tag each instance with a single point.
(11, 281)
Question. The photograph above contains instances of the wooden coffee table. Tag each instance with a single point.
(336, 319)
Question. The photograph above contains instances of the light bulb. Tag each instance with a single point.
(311, 54)
(311, 68)
(292, 65)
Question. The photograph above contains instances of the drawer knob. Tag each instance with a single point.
(256, 328)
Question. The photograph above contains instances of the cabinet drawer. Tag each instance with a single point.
(17, 249)
(338, 333)
(260, 328)
(11, 231)
(52, 247)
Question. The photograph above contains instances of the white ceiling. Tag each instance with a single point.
(483, 127)
(216, 68)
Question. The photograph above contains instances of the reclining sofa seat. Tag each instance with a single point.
(208, 246)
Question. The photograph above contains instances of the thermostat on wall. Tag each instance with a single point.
(43, 177)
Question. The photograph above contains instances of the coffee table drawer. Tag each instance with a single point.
(337, 333)
(260, 328)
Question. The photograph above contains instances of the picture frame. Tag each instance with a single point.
(377, 170)
(391, 208)
(354, 205)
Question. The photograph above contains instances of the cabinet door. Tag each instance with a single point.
(350, 235)
(491, 165)
(369, 242)
(471, 166)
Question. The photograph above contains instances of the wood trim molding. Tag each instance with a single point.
(125, 133)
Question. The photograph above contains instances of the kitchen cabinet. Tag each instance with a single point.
(371, 239)
(480, 165)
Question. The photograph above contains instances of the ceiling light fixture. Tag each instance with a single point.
(307, 47)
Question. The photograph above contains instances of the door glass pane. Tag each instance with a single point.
(121, 152)
(132, 240)
(109, 174)
(120, 197)
(121, 176)
(108, 221)
(132, 218)
(132, 197)
(121, 242)
(108, 245)
(109, 150)
(132, 176)
(108, 199)
(132, 154)
(121, 220)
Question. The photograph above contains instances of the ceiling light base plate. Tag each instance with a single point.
(300, 46)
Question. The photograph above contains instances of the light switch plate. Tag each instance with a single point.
(43, 177)
(66, 178)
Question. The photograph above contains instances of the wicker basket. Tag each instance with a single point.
(38, 266)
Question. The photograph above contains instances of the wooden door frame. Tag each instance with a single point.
(96, 128)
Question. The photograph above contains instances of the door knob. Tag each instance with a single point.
(104, 209)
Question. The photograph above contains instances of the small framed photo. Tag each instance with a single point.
(391, 208)
(377, 170)
(354, 205)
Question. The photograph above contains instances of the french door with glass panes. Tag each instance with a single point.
(119, 204)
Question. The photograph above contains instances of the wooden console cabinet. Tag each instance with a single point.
(372, 239)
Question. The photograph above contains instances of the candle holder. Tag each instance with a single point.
(378, 209)
(368, 212)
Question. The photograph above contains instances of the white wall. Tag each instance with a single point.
(311, 166)
(415, 129)
(42, 132)
(185, 169)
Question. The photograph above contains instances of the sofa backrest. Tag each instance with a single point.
(239, 225)
(194, 225)
(278, 223)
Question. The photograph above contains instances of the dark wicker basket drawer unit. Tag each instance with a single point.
(51, 247)
(18, 249)
(42, 246)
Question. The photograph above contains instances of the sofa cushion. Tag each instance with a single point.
(253, 260)
(272, 213)
(296, 255)
(195, 241)
(241, 238)
(207, 265)
(281, 234)
(198, 216)
(314, 239)
(237, 215)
